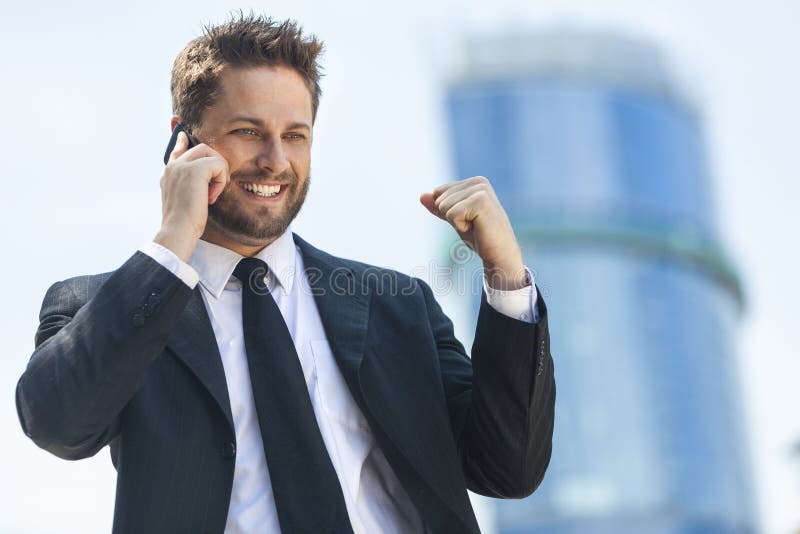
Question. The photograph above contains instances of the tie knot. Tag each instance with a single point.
(251, 272)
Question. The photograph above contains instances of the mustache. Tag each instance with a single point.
(262, 176)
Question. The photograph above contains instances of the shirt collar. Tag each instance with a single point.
(215, 264)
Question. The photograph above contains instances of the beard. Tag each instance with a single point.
(238, 225)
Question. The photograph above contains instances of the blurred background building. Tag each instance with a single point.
(597, 153)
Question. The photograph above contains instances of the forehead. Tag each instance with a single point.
(268, 93)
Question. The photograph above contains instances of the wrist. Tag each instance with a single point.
(181, 242)
(506, 277)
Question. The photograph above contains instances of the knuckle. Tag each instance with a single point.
(483, 184)
(480, 196)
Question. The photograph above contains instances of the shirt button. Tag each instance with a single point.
(154, 299)
(229, 450)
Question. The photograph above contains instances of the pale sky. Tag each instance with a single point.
(86, 108)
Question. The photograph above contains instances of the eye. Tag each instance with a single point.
(295, 136)
(246, 131)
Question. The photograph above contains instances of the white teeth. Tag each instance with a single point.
(262, 190)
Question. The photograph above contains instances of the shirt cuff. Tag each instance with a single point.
(171, 261)
(516, 303)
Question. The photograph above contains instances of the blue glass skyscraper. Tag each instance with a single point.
(599, 160)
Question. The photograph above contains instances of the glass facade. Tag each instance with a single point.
(606, 182)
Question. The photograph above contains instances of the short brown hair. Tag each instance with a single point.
(243, 41)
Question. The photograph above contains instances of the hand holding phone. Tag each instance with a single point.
(191, 182)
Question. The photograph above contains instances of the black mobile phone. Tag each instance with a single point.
(174, 139)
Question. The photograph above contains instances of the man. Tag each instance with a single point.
(186, 360)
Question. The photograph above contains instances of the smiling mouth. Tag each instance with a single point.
(263, 190)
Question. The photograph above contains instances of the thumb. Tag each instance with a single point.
(427, 200)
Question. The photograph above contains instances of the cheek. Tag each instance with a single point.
(235, 153)
(239, 160)
(297, 151)
(300, 156)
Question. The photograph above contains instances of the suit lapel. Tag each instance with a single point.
(343, 305)
(194, 342)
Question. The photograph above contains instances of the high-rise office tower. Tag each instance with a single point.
(599, 159)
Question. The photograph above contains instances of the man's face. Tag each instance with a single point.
(261, 124)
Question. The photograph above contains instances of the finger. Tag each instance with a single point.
(462, 214)
(218, 181)
(439, 190)
(209, 167)
(215, 188)
(426, 199)
(458, 185)
(199, 152)
(181, 144)
(450, 198)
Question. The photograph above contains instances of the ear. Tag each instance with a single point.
(172, 123)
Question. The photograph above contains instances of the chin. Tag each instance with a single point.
(239, 231)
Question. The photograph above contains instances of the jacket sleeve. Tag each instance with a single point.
(501, 400)
(92, 352)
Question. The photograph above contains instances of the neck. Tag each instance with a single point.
(248, 248)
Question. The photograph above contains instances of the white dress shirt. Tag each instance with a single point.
(375, 499)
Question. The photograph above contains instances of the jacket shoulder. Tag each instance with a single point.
(70, 294)
(374, 278)
(383, 281)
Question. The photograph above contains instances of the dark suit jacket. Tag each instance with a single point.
(128, 359)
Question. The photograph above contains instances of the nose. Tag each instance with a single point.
(272, 156)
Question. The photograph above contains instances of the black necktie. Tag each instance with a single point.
(307, 493)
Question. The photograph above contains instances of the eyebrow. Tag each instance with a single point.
(260, 123)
